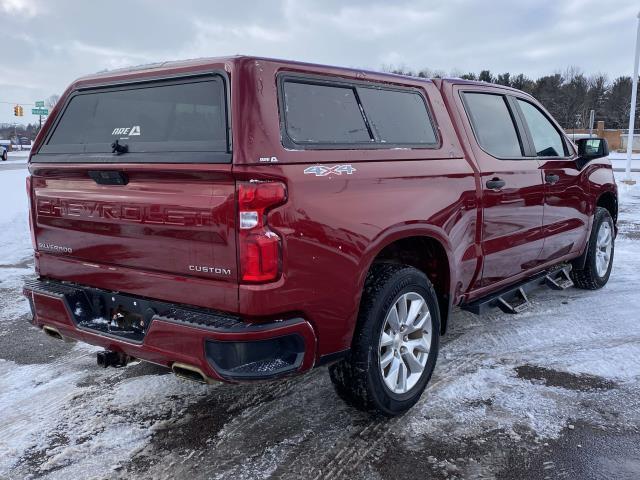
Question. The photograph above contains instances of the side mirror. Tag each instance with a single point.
(590, 149)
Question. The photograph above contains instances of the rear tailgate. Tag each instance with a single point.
(157, 220)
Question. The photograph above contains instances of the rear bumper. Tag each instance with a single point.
(221, 346)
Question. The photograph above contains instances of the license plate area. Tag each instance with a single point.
(121, 315)
(124, 320)
(112, 313)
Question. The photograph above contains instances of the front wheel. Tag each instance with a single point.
(395, 344)
(597, 267)
(4, 156)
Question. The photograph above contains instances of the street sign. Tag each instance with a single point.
(40, 111)
(39, 103)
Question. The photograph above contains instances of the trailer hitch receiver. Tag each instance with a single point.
(108, 358)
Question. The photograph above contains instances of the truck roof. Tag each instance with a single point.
(197, 63)
(185, 66)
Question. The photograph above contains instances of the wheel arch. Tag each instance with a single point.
(609, 200)
(426, 250)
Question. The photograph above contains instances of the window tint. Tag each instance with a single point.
(323, 114)
(492, 124)
(397, 117)
(546, 139)
(186, 116)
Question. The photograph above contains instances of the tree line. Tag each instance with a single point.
(569, 96)
(8, 131)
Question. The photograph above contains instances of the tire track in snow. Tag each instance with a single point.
(358, 446)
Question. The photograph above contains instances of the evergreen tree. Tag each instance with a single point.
(569, 96)
(485, 76)
(547, 90)
(524, 83)
(504, 79)
(617, 104)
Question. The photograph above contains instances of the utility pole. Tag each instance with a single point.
(632, 114)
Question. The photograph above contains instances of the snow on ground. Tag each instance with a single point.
(619, 161)
(15, 240)
(17, 156)
(505, 388)
(42, 415)
(14, 198)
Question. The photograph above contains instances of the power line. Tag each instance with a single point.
(18, 103)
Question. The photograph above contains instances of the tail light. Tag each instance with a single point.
(31, 222)
(260, 248)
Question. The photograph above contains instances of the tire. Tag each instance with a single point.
(360, 378)
(4, 156)
(595, 275)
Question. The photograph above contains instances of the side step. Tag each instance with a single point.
(559, 279)
(514, 299)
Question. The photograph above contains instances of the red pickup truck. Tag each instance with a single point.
(242, 218)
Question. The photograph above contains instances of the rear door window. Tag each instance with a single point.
(493, 124)
(162, 117)
(343, 115)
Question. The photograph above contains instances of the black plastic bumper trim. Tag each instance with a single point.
(331, 357)
(256, 359)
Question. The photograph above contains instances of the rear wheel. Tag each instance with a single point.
(4, 156)
(395, 345)
(597, 267)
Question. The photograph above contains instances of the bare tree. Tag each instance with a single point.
(51, 101)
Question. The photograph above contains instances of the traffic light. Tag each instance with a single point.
(21, 110)
(16, 110)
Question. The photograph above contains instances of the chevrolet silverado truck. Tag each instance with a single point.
(241, 219)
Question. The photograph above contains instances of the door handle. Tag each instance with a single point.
(495, 183)
(551, 178)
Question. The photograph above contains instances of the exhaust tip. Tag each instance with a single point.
(189, 372)
(108, 358)
(52, 332)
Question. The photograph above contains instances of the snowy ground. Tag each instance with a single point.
(15, 161)
(550, 393)
(18, 156)
(619, 161)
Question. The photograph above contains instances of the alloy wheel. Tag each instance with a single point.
(405, 342)
(604, 245)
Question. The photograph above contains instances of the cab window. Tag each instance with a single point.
(547, 140)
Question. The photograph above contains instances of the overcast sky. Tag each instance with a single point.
(45, 44)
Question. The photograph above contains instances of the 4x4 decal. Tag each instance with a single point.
(323, 171)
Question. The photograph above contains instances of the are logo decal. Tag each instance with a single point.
(323, 171)
(132, 131)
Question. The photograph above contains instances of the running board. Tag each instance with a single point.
(559, 279)
(514, 299)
